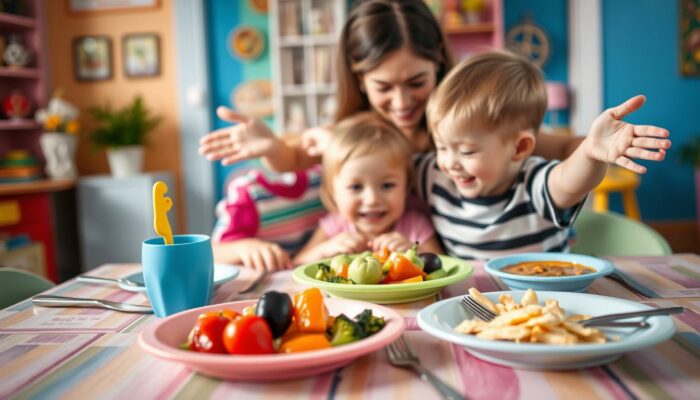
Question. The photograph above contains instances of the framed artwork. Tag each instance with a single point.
(141, 52)
(690, 37)
(86, 6)
(92, 58)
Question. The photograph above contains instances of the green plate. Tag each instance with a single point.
(457, 270)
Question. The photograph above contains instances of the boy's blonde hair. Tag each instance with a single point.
(495, 88)
(360, 135)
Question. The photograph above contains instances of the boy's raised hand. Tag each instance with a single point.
(249, 138)
(615, 141)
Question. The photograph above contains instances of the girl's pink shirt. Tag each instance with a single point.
(413, 224)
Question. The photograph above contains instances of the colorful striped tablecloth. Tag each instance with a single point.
(73, 353)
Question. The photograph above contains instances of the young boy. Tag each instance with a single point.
(486, 193)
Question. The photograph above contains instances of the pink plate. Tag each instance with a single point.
(162, 338)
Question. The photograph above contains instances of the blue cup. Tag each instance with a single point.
(179, 276)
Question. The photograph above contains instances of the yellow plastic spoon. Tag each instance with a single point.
(161, 206)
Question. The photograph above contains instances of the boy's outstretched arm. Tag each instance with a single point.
(611, 140)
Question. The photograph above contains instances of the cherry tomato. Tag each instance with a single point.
(248, 334)
(208, 332)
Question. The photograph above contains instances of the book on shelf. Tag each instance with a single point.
(322, 65)
(290, 18)
(287, 61)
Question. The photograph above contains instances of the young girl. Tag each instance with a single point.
(366, 170)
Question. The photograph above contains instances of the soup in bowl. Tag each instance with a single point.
(563, 272)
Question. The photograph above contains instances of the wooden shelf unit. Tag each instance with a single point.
(40, 213)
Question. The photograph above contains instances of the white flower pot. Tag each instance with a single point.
(125, 161)
(59, 152)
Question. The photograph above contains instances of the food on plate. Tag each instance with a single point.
(548, 268)
(529, 322)
(279, 323)
(382, 267)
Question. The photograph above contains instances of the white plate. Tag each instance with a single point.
(222, 273)
(439, 320)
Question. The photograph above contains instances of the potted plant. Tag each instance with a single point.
(58, 142)
(690, 155)
(123, 134)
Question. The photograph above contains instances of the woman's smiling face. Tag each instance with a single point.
(399, 87)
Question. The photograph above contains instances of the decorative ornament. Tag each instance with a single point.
(15, 54)
(530, 41)
(246, 43)
(16, 105)
(259, 6)
(253, 98)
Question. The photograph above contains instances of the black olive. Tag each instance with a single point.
(277, 309)
(431, 262)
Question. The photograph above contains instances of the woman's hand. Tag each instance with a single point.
(249, 138)
(393, 241)
(613, 140)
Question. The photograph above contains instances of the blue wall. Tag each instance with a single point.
(640, 50)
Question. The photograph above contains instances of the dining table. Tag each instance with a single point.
(82, 353)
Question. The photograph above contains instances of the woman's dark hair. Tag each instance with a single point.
(376, 28)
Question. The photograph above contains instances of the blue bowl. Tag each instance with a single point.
(575, 283)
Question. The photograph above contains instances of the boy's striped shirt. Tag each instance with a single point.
(524, 219)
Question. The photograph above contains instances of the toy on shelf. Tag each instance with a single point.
(16, 105)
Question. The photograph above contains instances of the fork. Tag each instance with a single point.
(61, 301)
(484, 314)
(101, 279)
(401, 355)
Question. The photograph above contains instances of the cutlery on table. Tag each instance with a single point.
(61, 301)
(100, 279)
(631, 284)
(609, 320)
(401, 355)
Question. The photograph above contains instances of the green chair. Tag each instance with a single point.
(17, 285)
(611, 234)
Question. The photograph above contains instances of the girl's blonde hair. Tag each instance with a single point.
(363, 134)
(494, 88)
(376, 28)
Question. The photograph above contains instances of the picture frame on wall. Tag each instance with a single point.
(92, 58)
(141, 53)
(88, 6)
(689, 38)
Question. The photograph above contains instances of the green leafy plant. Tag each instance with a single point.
(128, 126)
(690, 152)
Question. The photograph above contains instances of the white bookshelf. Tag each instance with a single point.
(303, 40)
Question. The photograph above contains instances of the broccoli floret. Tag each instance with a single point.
(324, 272)
(345, 330)
(340, 279)
(369, 323)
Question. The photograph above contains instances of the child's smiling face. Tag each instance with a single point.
(480, 162)
(370, 192)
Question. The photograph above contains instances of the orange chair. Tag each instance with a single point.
(620, 180)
